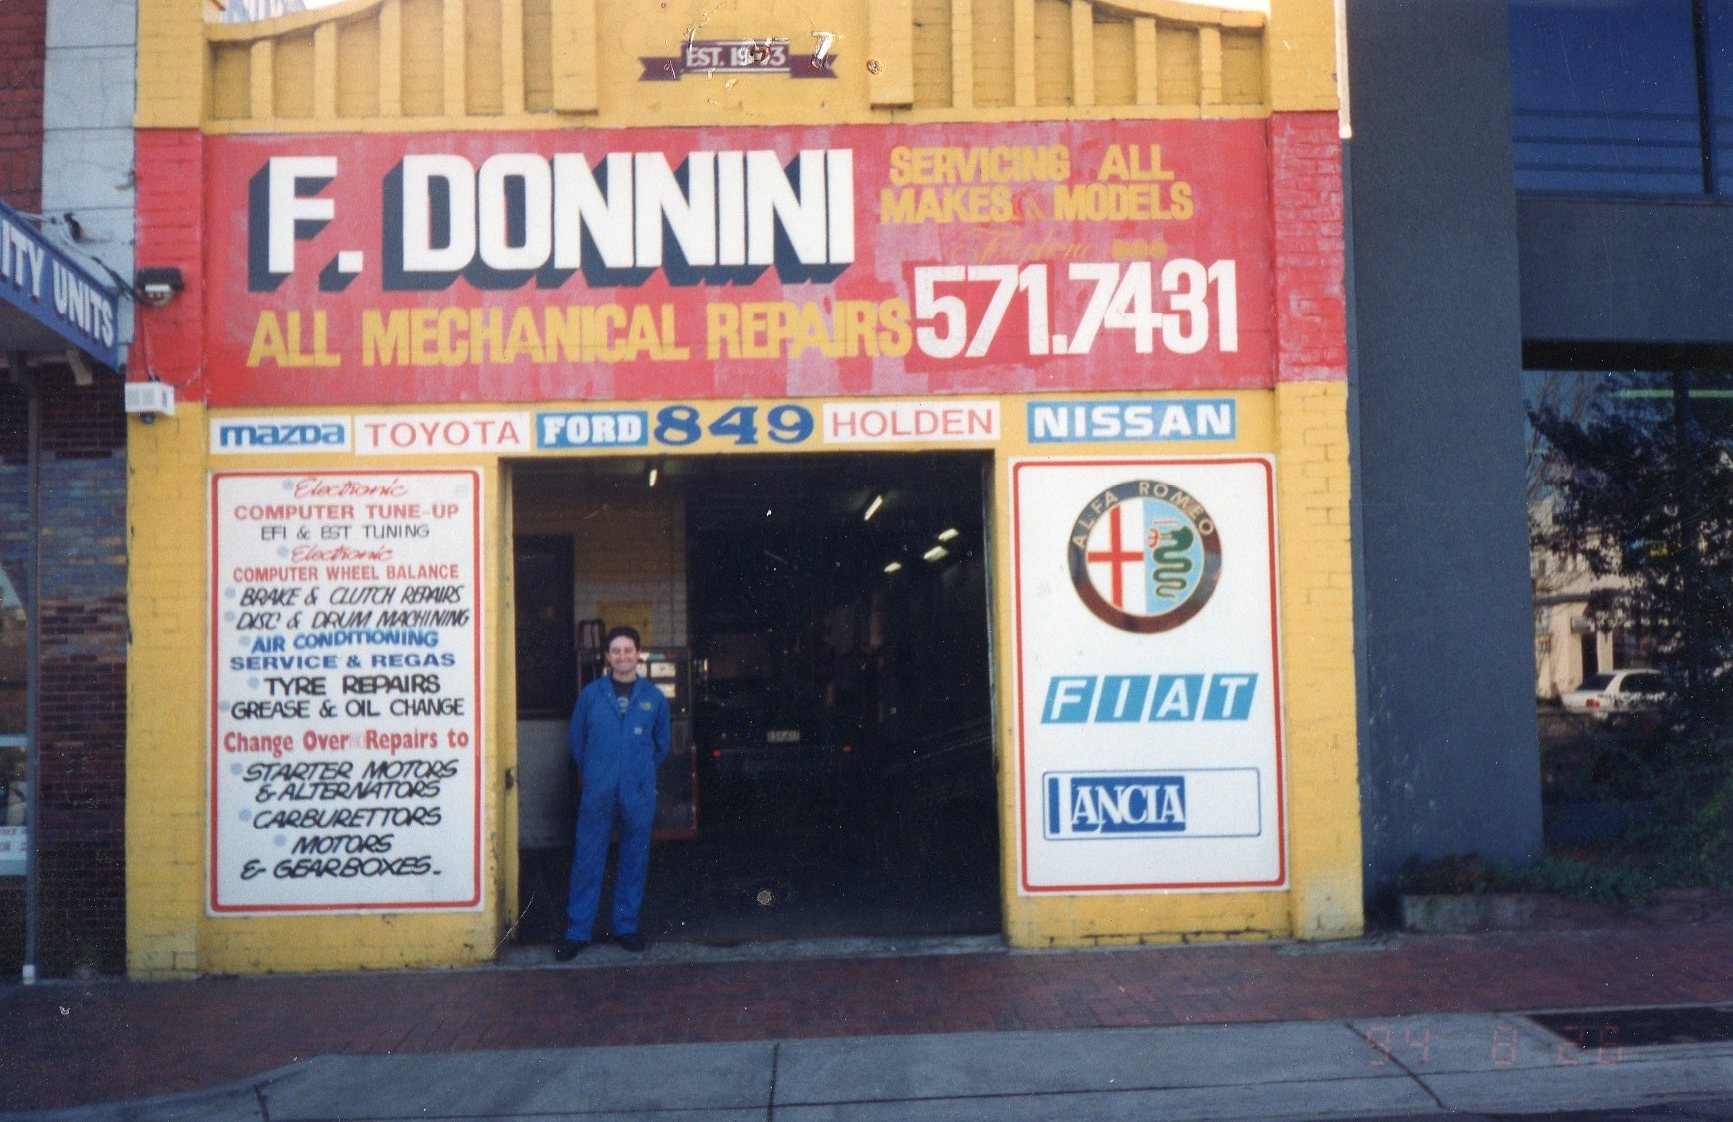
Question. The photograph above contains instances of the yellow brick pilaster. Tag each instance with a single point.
(171, 65)
(1300, 54)
(1318, 685)
(166, 702)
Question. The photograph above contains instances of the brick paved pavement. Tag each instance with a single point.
(71, 1043)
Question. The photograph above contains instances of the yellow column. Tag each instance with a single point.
(166, 704)
(1318, 659)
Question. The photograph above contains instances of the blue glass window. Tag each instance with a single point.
(1718, 53)
(1604, 96)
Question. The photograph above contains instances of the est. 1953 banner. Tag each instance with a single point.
(345, 691)
(718, 263)
(1149, 748)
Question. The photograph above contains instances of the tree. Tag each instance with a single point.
(1638, 485)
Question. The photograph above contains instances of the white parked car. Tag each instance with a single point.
(1616, 693)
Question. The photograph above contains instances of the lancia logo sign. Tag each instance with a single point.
(1144, 556)
(1113, 805)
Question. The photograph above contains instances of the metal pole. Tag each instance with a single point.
(32, 676)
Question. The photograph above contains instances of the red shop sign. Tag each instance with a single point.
(717, 263)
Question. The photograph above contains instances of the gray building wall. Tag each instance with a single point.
(1626, 271)
(1449, 753)
(89, 97)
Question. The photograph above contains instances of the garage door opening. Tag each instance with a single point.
(824, 625)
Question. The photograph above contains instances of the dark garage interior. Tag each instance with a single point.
(837, 697)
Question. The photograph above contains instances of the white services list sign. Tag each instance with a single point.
(345, 683)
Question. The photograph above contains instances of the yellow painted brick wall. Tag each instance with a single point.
(1302, 54)
(452, 64)
(1305, 428)
(1313, 540)
(166, 713)
(931, 47)
(1304, 425)
(1053, 76)
(420, 73)
(1115, 62)
(168, 930)
(1177, 65)
(652, 571)
(992, 51)
(173, 86)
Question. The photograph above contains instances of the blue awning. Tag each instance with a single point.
(48, 301)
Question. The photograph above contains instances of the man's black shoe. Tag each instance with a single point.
(568, 950)
(631, 941)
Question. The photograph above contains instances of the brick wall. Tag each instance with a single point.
(1314, 541)
(1306, 203)
(79, 804)
(14, 554)
(168, 341)
(23, 38)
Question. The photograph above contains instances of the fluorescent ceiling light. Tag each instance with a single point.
(947, 533)
(894, 567)
(873, 508)
(938, 552)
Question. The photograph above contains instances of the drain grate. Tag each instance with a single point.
(1637, 1028)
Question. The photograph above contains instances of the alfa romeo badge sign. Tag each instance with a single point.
(1172, 550)
(1149, 748)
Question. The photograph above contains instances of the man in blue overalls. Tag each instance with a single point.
(619, 735)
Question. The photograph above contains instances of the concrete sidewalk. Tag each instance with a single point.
(1411, 1067)
(1390, 1025)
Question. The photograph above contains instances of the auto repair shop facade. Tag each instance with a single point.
(428, 243)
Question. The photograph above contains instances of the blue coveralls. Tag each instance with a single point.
(617, 757)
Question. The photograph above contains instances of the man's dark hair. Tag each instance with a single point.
(629, 632)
